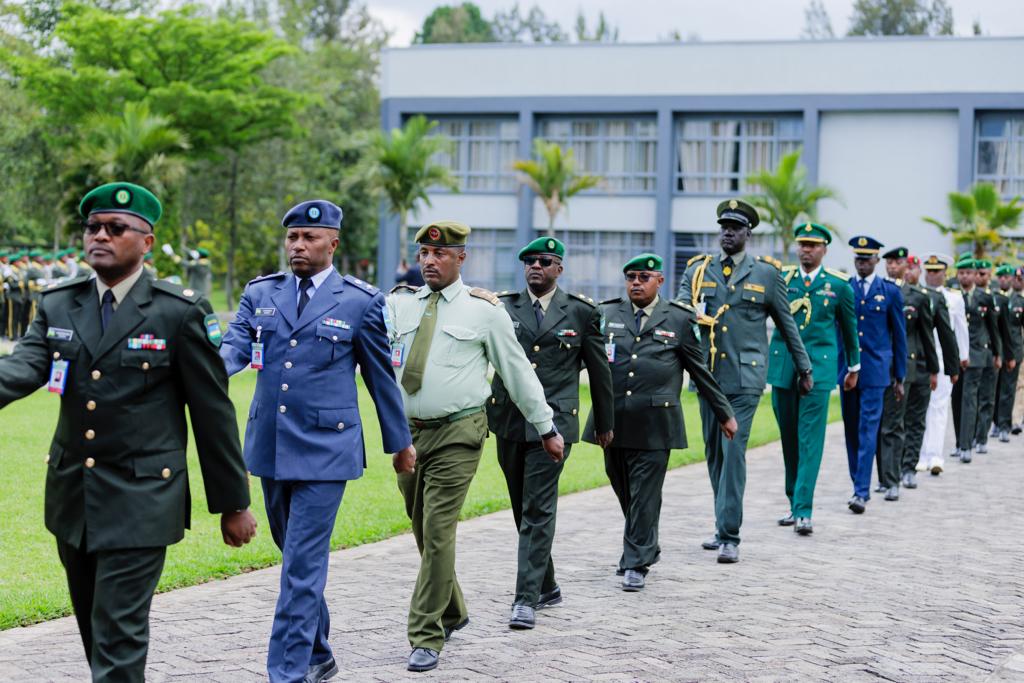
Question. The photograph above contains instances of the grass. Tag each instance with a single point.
(32, 585)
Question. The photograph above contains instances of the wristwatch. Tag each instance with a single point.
(550, 435)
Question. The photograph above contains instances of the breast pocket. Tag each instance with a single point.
(332, 343)
(459, 346)
(752, 302)
(147, 367)
(262, 325)
(64, 350)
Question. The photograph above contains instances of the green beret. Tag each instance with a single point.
(644, 261)
(3, 254)
(738, 211)
(543, 245)
(966, 264)
(1005, 269)
(812, 232)
(148, 256)
(35, 253)
(982, 264)
(965, 255)
(443, 234)
(122, 198)
(203, 253)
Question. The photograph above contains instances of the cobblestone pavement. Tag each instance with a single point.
(929, 588)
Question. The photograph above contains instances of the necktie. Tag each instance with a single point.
(727, 264)
(412, 378)
(106, 309)
(863, 286)
(640, 320)
(305, 284)
(538, 311)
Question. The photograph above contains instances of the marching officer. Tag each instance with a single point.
(15, 286)
(5, 269)
(197, 270)
(821, 301)
(126, 354)
(650, 341)
(1013, 350)
(560, 334)
(878, 304)
(304, 333)
(990, 377)
(443, 336)
(734, 293)
(1016, 403)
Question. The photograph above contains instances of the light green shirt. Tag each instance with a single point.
(470, 333)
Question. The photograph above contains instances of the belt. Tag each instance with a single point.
(439, 421)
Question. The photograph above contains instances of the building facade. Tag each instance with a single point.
(892, 125)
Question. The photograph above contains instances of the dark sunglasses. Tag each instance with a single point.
(642, 277)
(113, 229)
(544, 260)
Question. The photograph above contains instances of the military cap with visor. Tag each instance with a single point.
(645, 261)
(982, 264)
(896, 252)
(315, 213)
(864, 246)
(738, 211)
(543, 246)
(443, 234)
(127, 198)
(936, 261)
(812, 232)
(967, 264)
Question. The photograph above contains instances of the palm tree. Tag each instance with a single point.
(979, 216)
(787, 197)
(401, 166)
(552, 176)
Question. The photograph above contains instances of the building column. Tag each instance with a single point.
(387, 233)
(664, 245)
(965, 148)
(811, 138)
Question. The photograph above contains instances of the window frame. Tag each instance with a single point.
(1011, 140)
(463, 142)
(638, 241)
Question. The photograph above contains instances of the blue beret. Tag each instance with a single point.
(316, 213)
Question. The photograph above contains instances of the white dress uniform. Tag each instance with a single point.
(937, 420)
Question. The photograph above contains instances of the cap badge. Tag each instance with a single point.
(650, 263)
(434, 234)
(733, 204)
(313, 213)
(123, 197)
(807, 228)
(551, 244)
(862, 241)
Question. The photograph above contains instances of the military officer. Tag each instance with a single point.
(560, 333)
(126, 354)
(734, 294)
(990, 377)
(34, 277)
(1017, 308)
(197, 270)
(443, 337)
(305, 333)
(878, 304)
(15, 286)
(5, 269)
(821, 301)
(985, 353)
(1011, 313)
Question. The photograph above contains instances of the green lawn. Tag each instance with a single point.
(32, 584)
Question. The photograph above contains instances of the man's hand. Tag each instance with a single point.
(897, 388)
(237, 528)
(555, 446)
(604, 440)
(850, 381)
(806, 383)
(1011, 364)
(964, 363)
(953, 379)
(729, 428)
(933, 381)
(404, 461)
(998, 362)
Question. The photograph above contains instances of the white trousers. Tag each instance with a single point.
(936, 423)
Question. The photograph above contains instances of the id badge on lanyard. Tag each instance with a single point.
(256, 358)
(397, 354)
(609, 349)
(58, 377)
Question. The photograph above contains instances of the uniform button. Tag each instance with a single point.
(284, 387)
(536, 348)
(860, 334)
(166, 473)
(341, 425)
(293, 343)
(493, 401)
(56, 355)
(631, 373)
(732, 288)
(725, 328)
(638, 339)
(47, 459)
(753, 362)
(287, 365)
(334, 337)
(96, 374)
(283, 409)
(633, 356)
(90, 405)
(629, 393)
(862, 317)
(723, 355)
(533, 365)
(90, 463)
(145, 365)
(666, 404)
(90, 434)
(574, 411)
(188, 292)
(912, 356)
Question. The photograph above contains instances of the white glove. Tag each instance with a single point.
(167, 249)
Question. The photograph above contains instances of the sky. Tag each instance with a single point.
(641, 21)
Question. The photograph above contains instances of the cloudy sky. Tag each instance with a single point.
(711, 20)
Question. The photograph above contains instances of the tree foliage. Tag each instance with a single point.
(552, 176)
(513, 26)
(979, 217)
(901, 18)
(455, 24)
(603, 31)
(817, 23)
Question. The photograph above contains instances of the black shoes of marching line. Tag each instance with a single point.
(788, 520)
(803, 526)
(550, 599)
(711, 543)
(881, 488)
(1004, 436)
(729, 553)
(422, 659)
(523, 617)
(321, 672)
(892, 493)
(909, 480)
(857, 505)
(966, 456)
(633, 581)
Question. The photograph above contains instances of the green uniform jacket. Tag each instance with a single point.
(1016, 309)
(983, 326)
(568, 339)
(1009, 343)
(819, 309)
(738, 310)
(116, 468)
(917, 309)
(647, 375)
(944, 329)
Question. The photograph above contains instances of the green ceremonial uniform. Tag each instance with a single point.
(16, 297)
(985, 343)
(1011, 349)
(34, 279)
(1008, 377)
(821, 305)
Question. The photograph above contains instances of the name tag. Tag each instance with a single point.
(58, 377)
(266, 311)
(708, 284)
(147, 342)
(397, 354)
(340, 324)
(617, 326)
(59, 333)
(609, 351)
(754, 288)
(256, 359)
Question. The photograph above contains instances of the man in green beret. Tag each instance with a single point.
(126, 354)
(1013, 350)
(443, 338)
(560, 334)
(34, 279)
(16, 295)
(821, 301)
(649, 342)
(985, 354)
(197, 271)
(734, 294)
(990, 378)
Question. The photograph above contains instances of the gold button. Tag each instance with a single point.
(860, 334)
(334, 337)
(533, 365)
(629, 393)
(284, 387)
(536, 348)
(723, 355)
(732, 288)
(638, 339)
(725, 328)
(90, 463)
(90, 405)
(283, 409)
(293, 343)
(166, 473)
(47, 459)
(573, 411)
(666, 404)
(96, 374)
(287, 365)
(862, 317)
(56, 355)
(912, 356)
(493, 401)
(753, 362)
(90, 434)
(145, 365)
(187, 292)
(631, 373)
(633, 356)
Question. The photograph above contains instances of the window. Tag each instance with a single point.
(481, 153)
(1000, 151)
(621, 151)
(715, 156)
(593, 260)
(490, 260)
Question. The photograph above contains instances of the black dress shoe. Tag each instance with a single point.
(994, 432)
(893, 493)
(551, 598)
(857, 505)
(728, 553)
(1004, 436)
(981, 448)
(966, 456)
(1017, 429)
(881, 488)
(422, 659)
(804, 526)
(523, 617)
(449, 630)
(633, 581)
(711, 543)
(321, 672)
(910, 480)
(787, 520)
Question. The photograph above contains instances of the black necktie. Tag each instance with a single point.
(106, 309)
(640, 319)
(305, 284)
(538, 311)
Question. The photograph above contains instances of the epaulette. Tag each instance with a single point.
(403, 287)
(67, 284)
(684, 306)
(166, 287)
(771, 260)
(786, 269)
(485, 294)
(614, 300)
(898, 282)
(584, 298)
(694, 259)
(271, 276)
(839, 274)
(365, 286)
(508, 293)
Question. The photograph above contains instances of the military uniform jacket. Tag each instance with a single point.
(943, 326)
(304, 422)
(1009, 343)
(732, 315)
(1016, 316)
(983, 327)
(568, 339)
(116, 470)
(882, 331)
(920, 322)
(819, 310)
(647, 375)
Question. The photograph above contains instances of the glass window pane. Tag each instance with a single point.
(483, 128)
(994, 125)
(991, 157)
(508, 129)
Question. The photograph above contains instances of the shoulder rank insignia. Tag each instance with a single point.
(272, 276)
(613, 300)
(771, 260)
(485, 294)
(839, 274)
(404, 288)
(508, 292)
(365, 286)
(694, 259)
(584, 298)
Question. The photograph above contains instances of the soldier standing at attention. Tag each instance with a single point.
(650, 342)
(986, 352)
(881, 328)
(126, 354)
(821, 301)
(1013, 349)
(990, 378)
(305, 332)
(560, 334)
(443, 337)
(1017, 309)
(734, 294)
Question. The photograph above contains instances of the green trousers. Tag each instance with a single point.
(1005, 397)
(111, 592)
(970, 402)
(891, 438)
(986, 403)
(446, 461)
(532, 479)
(915, 417)
(727, 463)
(802, 421)
(637, 477)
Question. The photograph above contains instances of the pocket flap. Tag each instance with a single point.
(664, 400)
(752, 295)
(266, 323)
(333, 334)
(567, 405)
(68, 350)
(338, 419)
(751, 358)
(144, 359)
(159, 465)
(460, 333)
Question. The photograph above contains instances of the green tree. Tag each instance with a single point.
(786, 197)
(603, 32)
(552, 176)
(512, 26)
(979, 218)
(455, 24)
(901, 18)
(817, 24)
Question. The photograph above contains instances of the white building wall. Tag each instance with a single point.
(475, 210)
(610, 212)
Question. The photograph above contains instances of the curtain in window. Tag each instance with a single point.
(724, 156)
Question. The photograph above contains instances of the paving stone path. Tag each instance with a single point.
(930, 588)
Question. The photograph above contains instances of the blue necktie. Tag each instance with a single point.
(538, 311)
(106, 309)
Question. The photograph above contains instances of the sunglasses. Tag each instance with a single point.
(113, 229)
(642, 277)
(544, 260)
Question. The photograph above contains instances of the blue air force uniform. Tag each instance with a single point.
(881, 332)
(304, 436)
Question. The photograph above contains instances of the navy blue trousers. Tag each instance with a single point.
(862, 414)
(301, 516)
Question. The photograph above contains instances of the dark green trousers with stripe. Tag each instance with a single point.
(802, 421)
